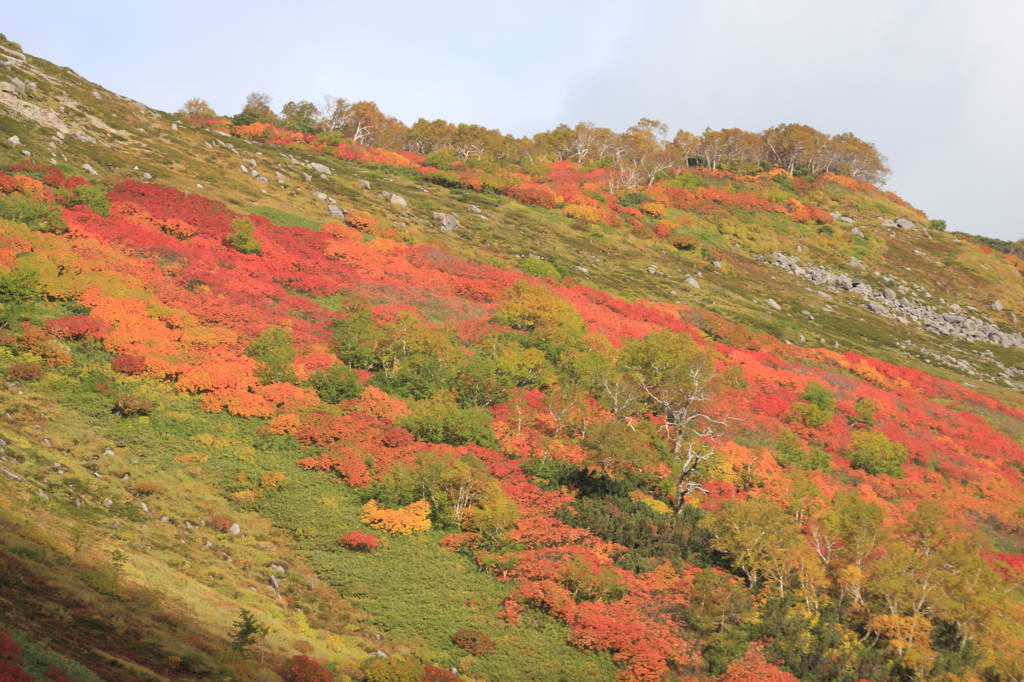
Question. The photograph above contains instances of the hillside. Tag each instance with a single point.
(434, 415)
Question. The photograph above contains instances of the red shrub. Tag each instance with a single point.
(359, 541)
(473, 641)
(433, 674)
(77, 327)
(129, 364)
(305, 669)
(24, 371)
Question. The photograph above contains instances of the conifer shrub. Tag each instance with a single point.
(473, 641)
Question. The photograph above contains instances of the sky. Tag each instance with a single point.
(936, 85)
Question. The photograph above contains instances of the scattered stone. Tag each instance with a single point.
(582, 269)
(235, 529)
(10, 474)
(854, 263)
(905, 224)
(320, 195)
(108, 452)
(919, 252)
(473, 209)
(825, 295)
(692, 282)
(147, 176)
(379, 654)
(174, 127)
(199, 186)
(857, 233)
(398, 200)
(889, 294)
(277, 567)
(25, 152)
(877, 308)
(165, 519)
(89, 169)
(8, 88)
(997, 306)
(274, 582)
(14, 140)
(107, 502)
(770, 302)
(144, 506)
(97, 474)
(320, 168)
(96, 95)
(365, 184)
(717, 264)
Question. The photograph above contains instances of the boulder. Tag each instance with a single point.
(825, 295)
(398, 200)
(854, 263)
(692, 282)
(857, 233)
(905, 224)
(320, 168)
(888, 223)
(365, 184)
(89, 169)
(877, 308)
(320, 195)
(8, 88)
(449, 223)
(10, 474)
(997, 306)
(14, 140)
(235, 529)
(889, 294)
(274, 582)
(770, 302)
(473, 209)
(582, 269)
(335, 211)
(716, 263)
(108, 502)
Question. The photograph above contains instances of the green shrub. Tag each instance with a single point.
(274, 355)
(38, 214)
(392, 669)
(819, 408)
(539, 268)
(20, 284)
(874, 453)
(336, 383)
(94, 197)
(938, 225)
(790, 451)
(240, 238)
(128, 405)
(439, 420)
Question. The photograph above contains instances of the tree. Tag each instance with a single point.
(678, 380)
(756, 535)
(256, 109)
(197, 107)
(874, 453)
(274, 355)
(300, 116)
(247, 631)
(336, 383)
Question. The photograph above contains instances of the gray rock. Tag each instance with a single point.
(449, 223)
(770, 302)
(320, 195)
(278, 568)
(919, 252)
(25, 152)
(147, 176)
(14, 140)
(274, 582)
(716, 264)
(583, 269)
(825, 295)
(877, 308)
(90, 169)
(889, 294)
(905, 224)
(165, 519)
(888, 223)
(96, 95)
(857, 233)
(997, 306)
(854, 263)
(473, 209)
(398, 200)
(847, 220)
(365, 184)
(108, 502)
(174, 127)
(17, 83)
(8, 88)
(692, 282)
(955, 307)
(251, 162)
(320, 168)
(279, 175)
(379, 654)
(10, 474)
(335, 211)
(235, 529)
(144, 506)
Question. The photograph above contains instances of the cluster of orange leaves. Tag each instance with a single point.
(409, 519)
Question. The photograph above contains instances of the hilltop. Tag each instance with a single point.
(521, 410)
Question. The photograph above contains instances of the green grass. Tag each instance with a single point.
(286, 219)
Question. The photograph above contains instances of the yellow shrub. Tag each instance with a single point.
(654, 209)
(413, 517)
(587, 214)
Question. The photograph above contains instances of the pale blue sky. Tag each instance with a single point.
(937, 85)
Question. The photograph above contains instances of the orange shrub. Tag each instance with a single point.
(654, 209)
